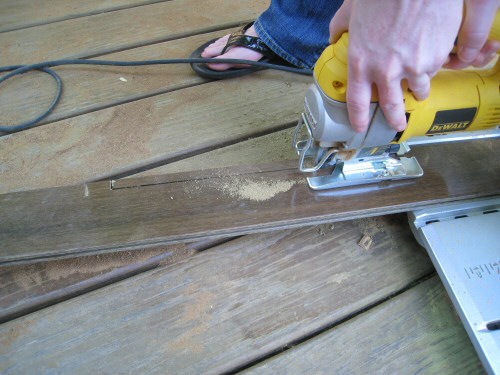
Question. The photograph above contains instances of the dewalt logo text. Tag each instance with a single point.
(452, 126)
(452, 120)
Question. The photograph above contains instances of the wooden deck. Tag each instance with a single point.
(208, 254)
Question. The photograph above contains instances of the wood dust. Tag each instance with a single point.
(258, 191)
(59, 273)
(198, 310)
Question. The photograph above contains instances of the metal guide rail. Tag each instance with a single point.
(463, 241)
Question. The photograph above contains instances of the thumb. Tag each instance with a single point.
(340, 22)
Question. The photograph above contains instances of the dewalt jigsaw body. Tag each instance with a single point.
(462, 105)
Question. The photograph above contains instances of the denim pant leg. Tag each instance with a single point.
(297, 30)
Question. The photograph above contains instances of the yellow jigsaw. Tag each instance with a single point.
(463, 104)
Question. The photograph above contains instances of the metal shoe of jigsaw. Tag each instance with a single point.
(462, 105)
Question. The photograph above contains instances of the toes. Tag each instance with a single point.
(236, 53)
(215, 49)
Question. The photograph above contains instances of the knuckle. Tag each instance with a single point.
(356, 106)
(391, 106)
(420, 83)
(386, 79)
(473, 39)
(356, 67)
(414, 70)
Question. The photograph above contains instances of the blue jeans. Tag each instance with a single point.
(297, 30)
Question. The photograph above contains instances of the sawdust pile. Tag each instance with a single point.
(61, 273)
(253, 190)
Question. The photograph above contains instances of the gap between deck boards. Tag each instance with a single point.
(157, 128)
(214, 20)
(16, 299)
(146, 165)
(70, 78)
(237, 301)
(88, 13)
(322, 330)
(415, 332)
(105, 33)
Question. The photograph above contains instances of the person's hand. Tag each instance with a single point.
(391, 41)
(473, 46)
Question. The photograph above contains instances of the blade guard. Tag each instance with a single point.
(378, 166)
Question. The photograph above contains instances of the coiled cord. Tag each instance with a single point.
(45, 67)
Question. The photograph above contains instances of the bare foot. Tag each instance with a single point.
(214, 50)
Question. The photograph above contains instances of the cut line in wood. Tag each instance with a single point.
(94, 218)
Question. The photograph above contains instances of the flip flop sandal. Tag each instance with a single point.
(238, 38)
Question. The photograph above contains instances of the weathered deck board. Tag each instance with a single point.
(30, 287)
(92, 88)
(86, 219)
(274, 147)
(416, 332)
(160, 128)
(123, 29)
(18, 14)
(27, 288)
(223, 307)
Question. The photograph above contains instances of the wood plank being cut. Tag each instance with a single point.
(223, 307)
(124, 29)
(151, 211)
(18, 14)
(415, 332)
(159, 129)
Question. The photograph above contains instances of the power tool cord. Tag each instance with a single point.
(45, 67)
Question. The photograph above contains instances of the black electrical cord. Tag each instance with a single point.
(45, 67)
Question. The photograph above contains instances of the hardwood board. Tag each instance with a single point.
(124, 29)
(89, 89)
(222, 307)
(417, 332)
(18, 14)
(94, 218)
(158, 129)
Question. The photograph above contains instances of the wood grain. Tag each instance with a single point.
(222, 307)
(270, 148)
(94, 218)
(416, 332)
(124, 29)
(28, 288)
(89, 88)
(159, 129)
(18, 14)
